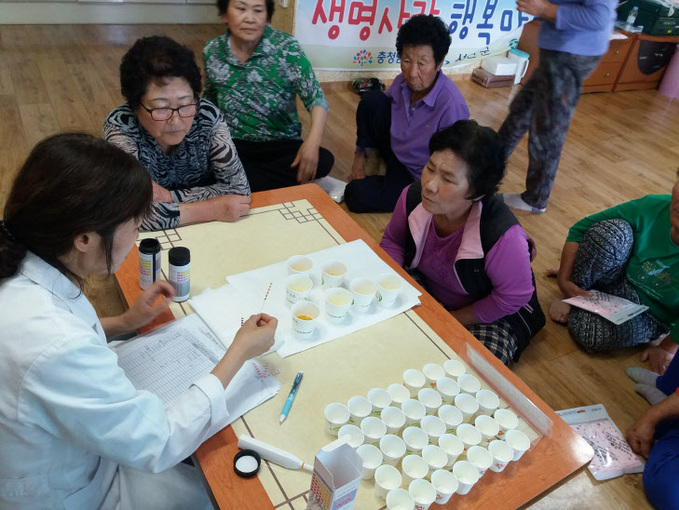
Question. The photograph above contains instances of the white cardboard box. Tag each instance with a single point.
(499, 65)
(336, 477)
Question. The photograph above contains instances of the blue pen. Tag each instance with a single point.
(291, 396)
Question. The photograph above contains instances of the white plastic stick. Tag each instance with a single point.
(272, 453)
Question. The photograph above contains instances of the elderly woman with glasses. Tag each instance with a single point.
(182, 141)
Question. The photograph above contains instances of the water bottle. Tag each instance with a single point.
(631, 18)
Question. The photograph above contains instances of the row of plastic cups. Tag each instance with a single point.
(418, 494)
(413, 412)
(414, 380)
(451, 447)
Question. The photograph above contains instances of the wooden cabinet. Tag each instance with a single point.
(626, 66)
(603, 78)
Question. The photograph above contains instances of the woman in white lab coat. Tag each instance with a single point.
(74, 432)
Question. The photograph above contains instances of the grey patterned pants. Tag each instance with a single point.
(544, 108)
(600, 264)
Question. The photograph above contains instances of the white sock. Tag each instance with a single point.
(515, 201)
(641, 375)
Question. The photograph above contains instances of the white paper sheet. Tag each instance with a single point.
(168, 360)
(614, 308)
(224, 308)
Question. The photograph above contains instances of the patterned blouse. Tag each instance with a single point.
(203, 166)
(258, 97)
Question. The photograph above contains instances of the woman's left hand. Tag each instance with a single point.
(306, 162)
(152, 302)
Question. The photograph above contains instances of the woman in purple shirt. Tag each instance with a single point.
(397, 125)
(464, 244)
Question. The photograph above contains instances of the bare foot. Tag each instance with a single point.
(559, 311)
(552, 272)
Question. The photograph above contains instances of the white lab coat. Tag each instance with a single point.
(70, 418)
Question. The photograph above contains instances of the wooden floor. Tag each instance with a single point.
(620, 146)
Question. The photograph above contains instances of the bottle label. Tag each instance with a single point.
(149, 269)
(180, 279)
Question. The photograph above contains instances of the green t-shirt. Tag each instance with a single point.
(259, 97)
(653, 266)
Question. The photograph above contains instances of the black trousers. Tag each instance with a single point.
(378, 193)
(267, 164)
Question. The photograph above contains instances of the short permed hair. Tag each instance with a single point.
(155, 59)
(222, 5)
(480, 148)
(424, 30)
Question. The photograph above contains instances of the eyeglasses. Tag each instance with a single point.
(166, 113)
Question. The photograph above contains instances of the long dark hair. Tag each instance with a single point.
(71, 184)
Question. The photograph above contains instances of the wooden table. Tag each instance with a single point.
(558, 454)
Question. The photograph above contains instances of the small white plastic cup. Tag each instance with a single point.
(386, 478)
(423, 493)
(415, 439)
(372, 459)
(298, 264)
(414, 411)
(451, 416)
(453, 446)
(414, 380)
(445, 484)
(432, 373)
(481, 458)
(304, 318)
(468, 405)
(332, 274)
(298, 288)
(502, 454)
(507, 420)
(359, 408)
(448, 389)
(398, 393)
(337, 304)
(431, 399)
(454, 368)
(364, 293)
(400, 499)
(467, 475)
(434, 428)
(355, 436)
(393, 418)
(379, 398)
(469, 384)
(393, 449)
(435, 457)
(373, 429)
(487, 426)
(488, 401)
(388, 288)
(336, 416)
(518, 441)
(469, 435)
(413, 467)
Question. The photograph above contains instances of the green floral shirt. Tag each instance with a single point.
(258, 97)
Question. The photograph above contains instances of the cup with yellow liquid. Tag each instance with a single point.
(337, 304)
(298, 288)
(304, 318)
(333, 274)
(388, 287)
(298, 264)
(363, 290)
